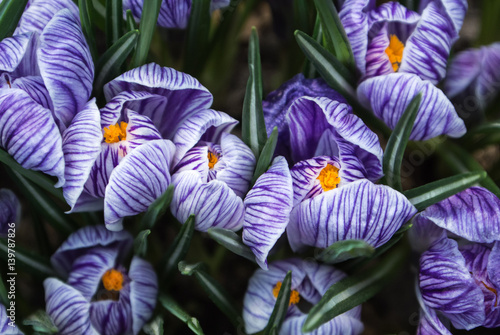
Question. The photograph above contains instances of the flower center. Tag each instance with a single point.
(115, 133)
(113, 280)
(294, 295)
(494, 291)
(212, 160)
(329, 177)
(395, 52)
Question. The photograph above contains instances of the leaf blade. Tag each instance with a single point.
(147, 25)
(10, 14)
(179, 247)
(231, 241)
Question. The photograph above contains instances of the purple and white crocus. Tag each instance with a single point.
(309, 283)
(7, 326)
(99, 294)
(459, 269)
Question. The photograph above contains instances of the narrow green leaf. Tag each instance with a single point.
(141, 243)
(329, 67)
(394, 151)
(155, 327)
(36, 177)
(114, 21)
(179, 247)
(109, 64)
(354, 290)
(147, 26)
(280, 307)
(173, 307)
(3, 293)
(333, 31)
(429, 194)
(253, 126)
(231, 241)
(30, 262)
(187, 269)
(130, 21)
(86, 8)
(99, 17)
(41, 322)
(343, 250)
(10, 14)
(301, 14)
(44, 205)
(158, 208)
(266, 156)
(309, 69)
(197, 37)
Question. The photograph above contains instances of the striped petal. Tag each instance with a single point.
(316, 121)
(178, 95)
(68, 309)
(214, 204)
(195, 159)
(140, 178)
(140, 130)
(455, 9)
(7, 327)
(359, 210)
(267, 210)
(173, 13)
(81, 147)
(143, 292)
(66, 65)
(377, 60)
(423, 233)
(30, 135)
(39, 12)
(429, 323)
(471, 214)
(12, 51)
(341, 324)
(428, 48)
(112, 317)
(447, 286)
(35, 87)
(388, 96)
(85, 239)
(10, 210)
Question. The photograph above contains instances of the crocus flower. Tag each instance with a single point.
(391, 38)
(472, 80)
(10, 210)
(100, 296)
(173, 13)
(459, 279)
(7, 327)
(309, 283)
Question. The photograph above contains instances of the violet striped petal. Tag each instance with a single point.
(112, 317)
(357, 147)
(392, 12)
(38, 13)
(455, 9)
(377, 60)
(195, 159)
(143, 292)
(12, 51)
(140, 130)
(68, 309)
(178, 95)
(87, 203)
(388, 96)
(66, 65)
(359, 210)
(141, 177)
(447, 286)
(85, 239)
(30, 135)
(341, 324)
(423, 233)
(173, 13)
(267, 210)
(471, 214)
(81, 147)
(5, 323)
(35, 87)
(207, 125)
(429, 322)
(214, 204)
(428, 47)
(239, 164)
(10, 210)
(115, 109)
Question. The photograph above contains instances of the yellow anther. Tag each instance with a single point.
(212, 160)
(115, 133)
(113, 280)
(294, 295)
(329, 177)
(395, 52)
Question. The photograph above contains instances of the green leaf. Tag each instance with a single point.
(231, 241)
(187, 269)
(330, 68)
(354, 290)
(334, 34)
(309, 69)
(10, 14)
(41, 322)
(343, 250)
(109, 64)
(114, 21)
(130, 21)
(266, 156)
(179, 247)
(197, 37)
(429, 194)
(155, 327)
(301, 14)
(25, 259)
(253, 126)
(147, 26)
(173, 307)
(86, 8)
(280, 307)
(394, 151)
(3, 293)
(44, 205)
(141, 243)
(158, 208)
(36, 177)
